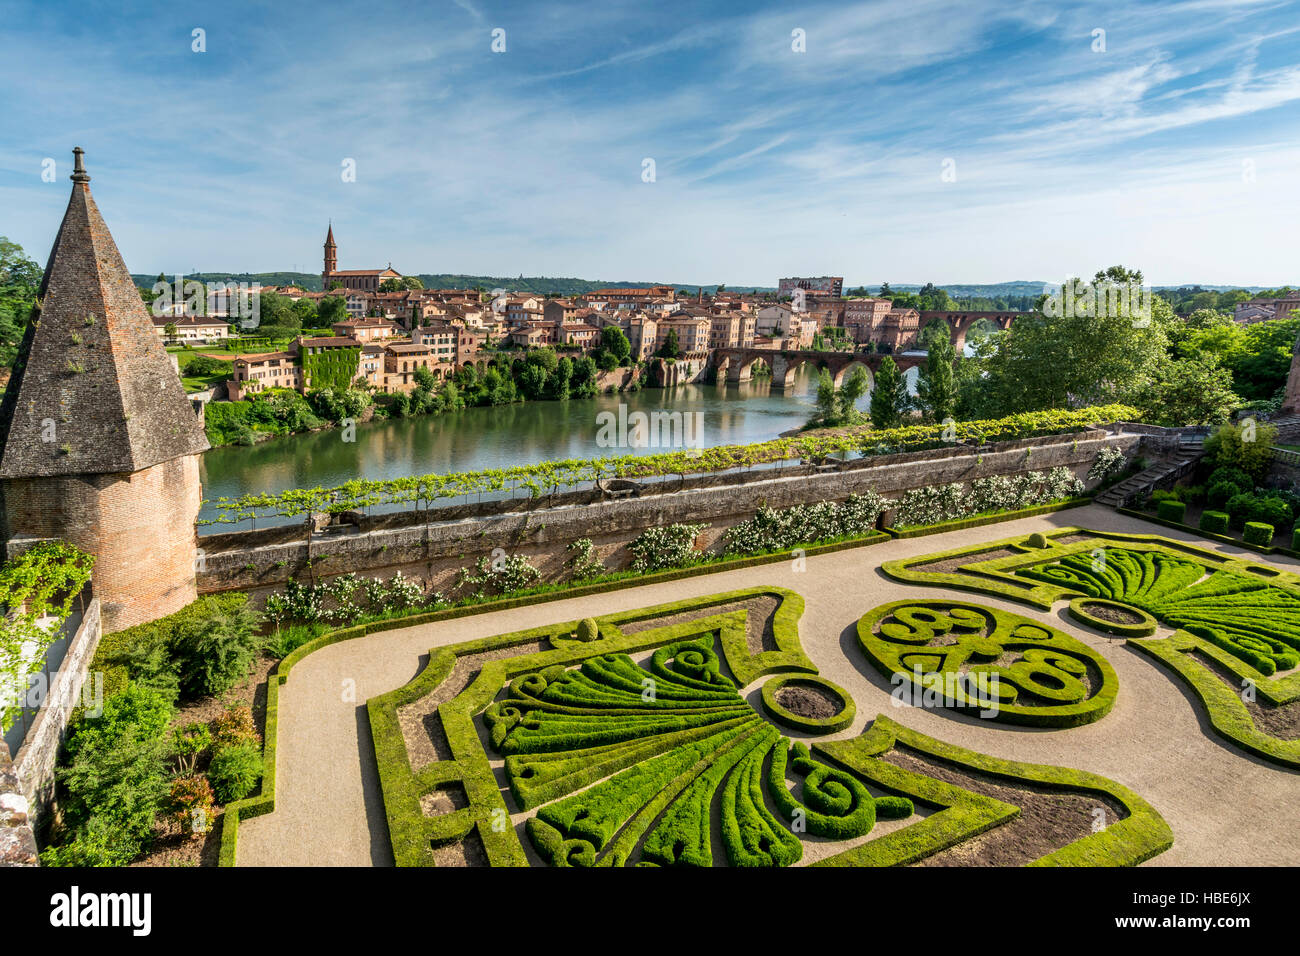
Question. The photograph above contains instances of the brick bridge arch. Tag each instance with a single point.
(960, 323)
(736, 364)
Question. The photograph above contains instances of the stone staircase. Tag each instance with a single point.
(1166, 469)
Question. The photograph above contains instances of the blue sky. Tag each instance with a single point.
(1176, 149)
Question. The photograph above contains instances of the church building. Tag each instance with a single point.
(353, 280)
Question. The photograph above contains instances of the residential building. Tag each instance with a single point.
(194, 329)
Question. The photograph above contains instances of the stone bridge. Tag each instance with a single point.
(738, 364)
(960, 323)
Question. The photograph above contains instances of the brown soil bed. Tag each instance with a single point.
(809, 701)
(1281, 722)
(949, 565)
(759, 633)
(421, 726)
(1109, 612)
(1049, 818)
(172, 846)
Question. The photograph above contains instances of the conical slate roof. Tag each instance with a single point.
(93, 390)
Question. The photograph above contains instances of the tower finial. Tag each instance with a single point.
(79, 174)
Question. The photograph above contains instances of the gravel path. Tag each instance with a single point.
(1224, 806)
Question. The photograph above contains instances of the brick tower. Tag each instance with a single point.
(331, 259)
(1292, 401)
(100, 443)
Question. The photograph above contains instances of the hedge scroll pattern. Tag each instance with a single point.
(1003, 666)
(660, 761)
(1236, 641)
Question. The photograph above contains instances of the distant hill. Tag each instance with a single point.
(534, 284)
(541, 285)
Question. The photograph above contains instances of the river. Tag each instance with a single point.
(497, 437)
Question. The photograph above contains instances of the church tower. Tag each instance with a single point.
(331, 259)
(100, 443)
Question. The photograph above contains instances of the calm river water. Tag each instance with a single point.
(499, 437)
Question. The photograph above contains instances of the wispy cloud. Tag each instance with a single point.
(769, 161)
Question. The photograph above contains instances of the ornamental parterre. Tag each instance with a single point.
(1236, 623)
(639, 746)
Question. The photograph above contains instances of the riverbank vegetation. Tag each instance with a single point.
(548, 477)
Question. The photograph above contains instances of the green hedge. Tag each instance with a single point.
(1171, 510)
(1079, 611)
(1215, 522)
(809, 725)
(1229, 716)
(960, 814)
(940, 638)
(1257, 532)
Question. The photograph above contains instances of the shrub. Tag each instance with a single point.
(1233, 476)
(1171, 511)
(1257, 532)
(1295, 540)
(189, 743)
(116, 777)
(587, 630)
(779, 530)
(1109, 463)
(1238, 506)
(499, 575)
(670, 547)
(1215, 522)
(234, 728)
(1222, 492)
(1248, 447)
(192, 804)
(235, 772)
(214, 654)
(583, 562)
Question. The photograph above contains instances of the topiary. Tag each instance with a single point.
(1171, 511)
(1257, 532)
(1221, 492)
(1037, 540)
(235, 771)
(1215, 522)
(587, 630)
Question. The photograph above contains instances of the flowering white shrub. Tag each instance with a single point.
(337, 601)
(773, 530)
(501, 576)
(936, 503)
(583, 562)
(1108, 463)
(671, 547)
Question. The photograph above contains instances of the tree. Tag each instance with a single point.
(20, 279)
(670, 349)
(169, 330)
(936, 388)
(614, 340)
(1061, 360)
(333, 308)
(1192, 391)
(889, 401)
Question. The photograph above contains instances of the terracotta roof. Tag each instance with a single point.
(93, 363)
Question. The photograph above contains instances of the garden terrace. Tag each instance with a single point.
(1234, 622)
(1017, 803)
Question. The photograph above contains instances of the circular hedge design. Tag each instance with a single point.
(1113, 617)
(776, 703)
(1000, 665)
(615, 755)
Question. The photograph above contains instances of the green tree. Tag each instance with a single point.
(936, 387)
(614, 341)
(20, 279)
(889, 400)
(1190, 391)
(670, 349)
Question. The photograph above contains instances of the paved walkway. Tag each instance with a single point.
(1224, 806)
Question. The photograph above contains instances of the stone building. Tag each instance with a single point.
(352, 280)
(100, 443)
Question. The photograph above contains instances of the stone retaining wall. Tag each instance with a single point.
(260, 561)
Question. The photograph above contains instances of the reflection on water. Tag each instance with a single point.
(481, 438)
